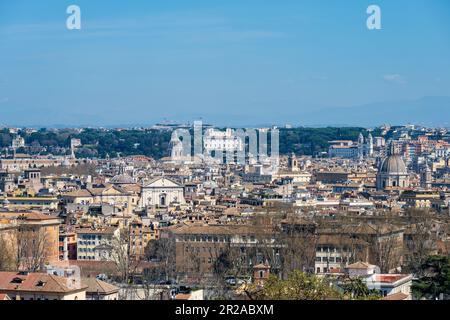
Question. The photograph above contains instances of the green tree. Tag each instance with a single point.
(435, 280)
(298, 286)
(356, 288)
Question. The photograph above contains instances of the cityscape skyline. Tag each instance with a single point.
(225, 158)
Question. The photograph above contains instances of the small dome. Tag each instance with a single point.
(122, 179)
(393, 164)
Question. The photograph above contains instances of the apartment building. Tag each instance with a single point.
(96, 244)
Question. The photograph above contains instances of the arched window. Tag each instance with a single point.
(162, 199)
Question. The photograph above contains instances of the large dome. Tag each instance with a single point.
(394, 165)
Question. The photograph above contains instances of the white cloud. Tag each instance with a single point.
(395, 78)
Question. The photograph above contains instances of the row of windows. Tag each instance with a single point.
(216, 238)
(328, 259)
(88, 243)
(37, 203)
(204, 260)
(333, 249)
(91, 237)
(198, 249)
(206, 239)
(86, 258)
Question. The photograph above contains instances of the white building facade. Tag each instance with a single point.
(162, 192)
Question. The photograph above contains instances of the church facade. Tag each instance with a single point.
(365, 147)
(162, 192)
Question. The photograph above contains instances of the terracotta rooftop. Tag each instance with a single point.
(29, 216)
(105, 230)
(182, 296)
(359, 265)
(339, 240)
(390, 278)
(98, 286)
(36, 282)
(396, 296)
(4, 297)
(219, 229)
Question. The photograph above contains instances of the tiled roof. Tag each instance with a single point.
(390, 278)
(219, 229)
(98, 286)
(339, 240)
(396, 296)
(4, 297)
(78, 193)
(36, 282)
(182, 296)
(29, 216)
(359, 265)
(105, 230)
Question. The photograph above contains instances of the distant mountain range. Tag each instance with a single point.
(427, 111)
(430, 111)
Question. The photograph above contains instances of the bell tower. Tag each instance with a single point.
(293, 163)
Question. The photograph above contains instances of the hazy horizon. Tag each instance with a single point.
(234, 63)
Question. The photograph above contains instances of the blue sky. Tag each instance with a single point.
(234, 61)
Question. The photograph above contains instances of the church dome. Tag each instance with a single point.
(393, 165)
(122, 179)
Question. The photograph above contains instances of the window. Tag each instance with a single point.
(17, 280)
(40, 283)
